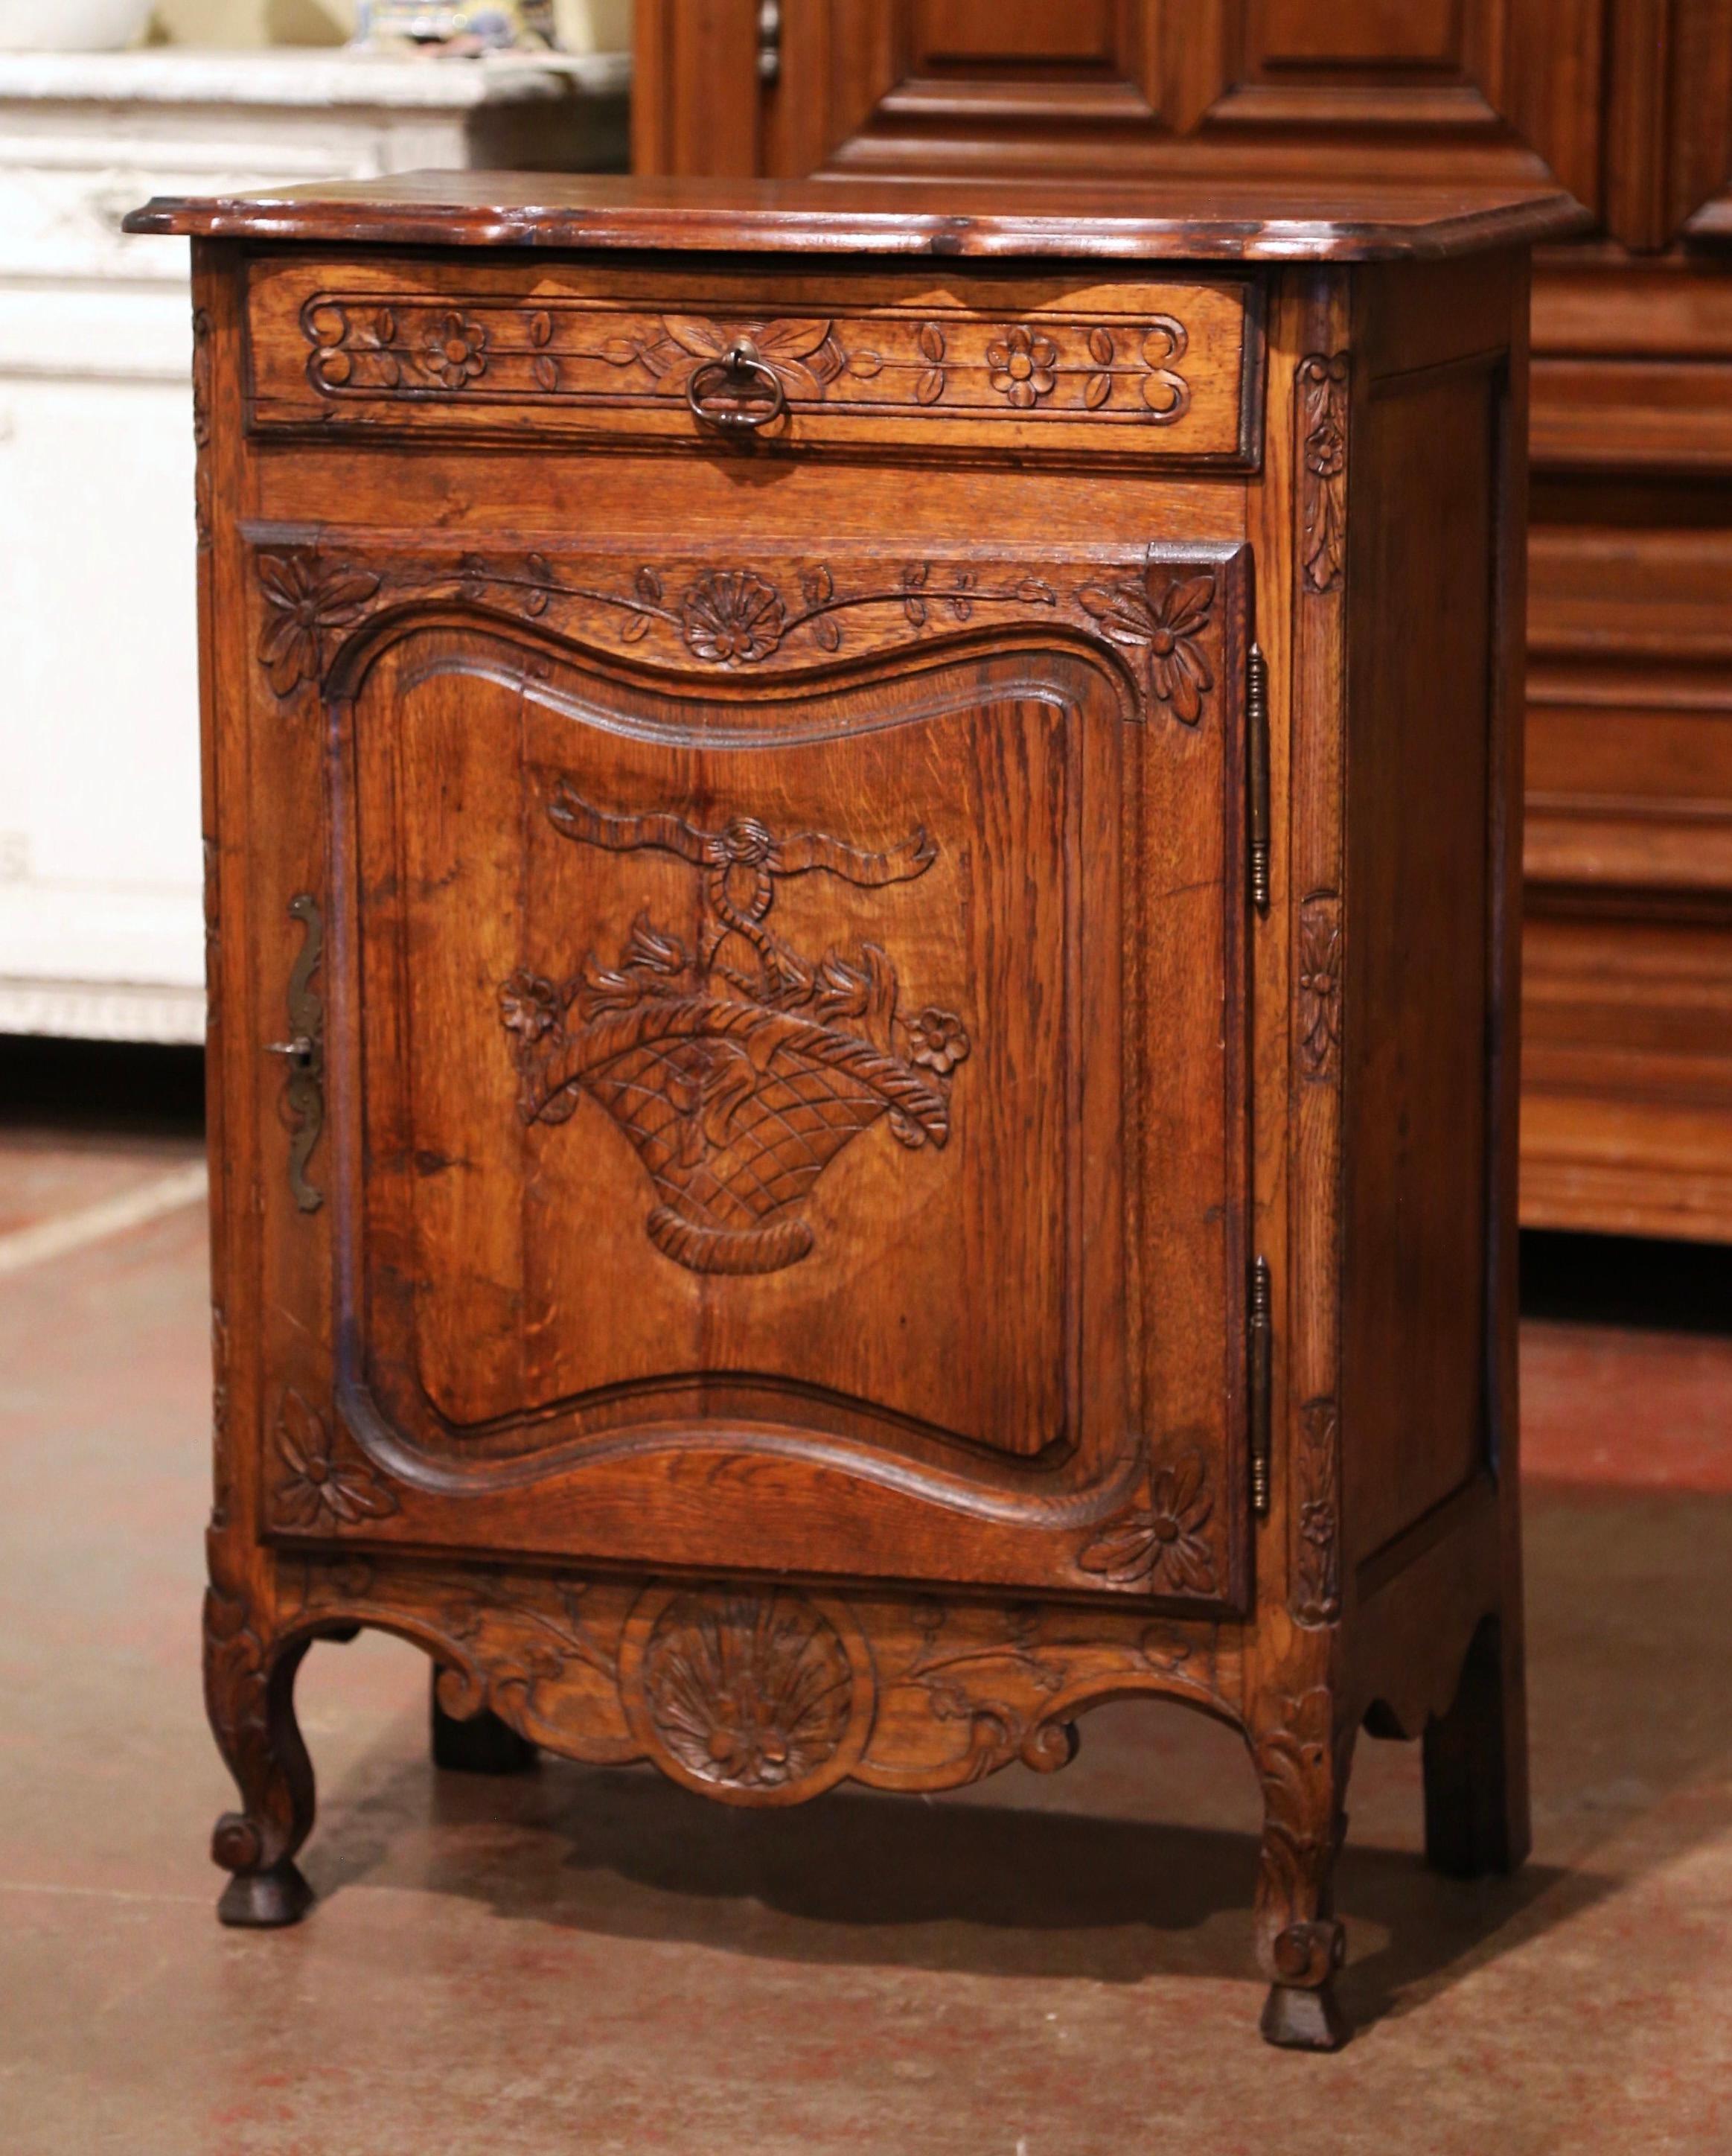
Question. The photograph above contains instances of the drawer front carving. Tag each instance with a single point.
(782, 1016)
(1170, 369)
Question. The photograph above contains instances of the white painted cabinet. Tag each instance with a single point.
(100, 917)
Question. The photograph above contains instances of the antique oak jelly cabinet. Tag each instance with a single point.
(863, 865)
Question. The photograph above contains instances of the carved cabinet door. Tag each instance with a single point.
(786, 1096)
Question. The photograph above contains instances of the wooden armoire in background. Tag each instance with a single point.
(1627, 1062)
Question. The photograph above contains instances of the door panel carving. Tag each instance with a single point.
(740, 1067)
(674, 1072)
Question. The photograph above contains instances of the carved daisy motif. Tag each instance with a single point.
(1319, 987)
(1326, 447)
(529, 1006)
(731, 618)
(304, 603)
(1165, 624)
(1023, 366)
(319, 1490)
(1160, 1544)
(456, 350)
(938, 1040)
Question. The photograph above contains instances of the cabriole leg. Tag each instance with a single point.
(1302, 1760)
(249, 1696)
(1476, 1798)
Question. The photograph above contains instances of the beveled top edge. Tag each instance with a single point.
(1194, 221)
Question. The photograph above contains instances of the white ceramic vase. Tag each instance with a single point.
(70, 26)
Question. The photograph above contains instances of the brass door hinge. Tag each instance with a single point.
(1257, 774)
(769, 41)
(1258, 1343)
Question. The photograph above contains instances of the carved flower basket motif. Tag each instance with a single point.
(739, 1070)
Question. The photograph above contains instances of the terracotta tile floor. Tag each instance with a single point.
(47, 1175)
(579, 1961)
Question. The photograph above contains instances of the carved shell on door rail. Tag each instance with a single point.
(753, 1695)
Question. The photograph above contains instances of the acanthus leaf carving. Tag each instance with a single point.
(1322, 392)
(250, 1658)
(1301, 1759)
(1317, 1523)
(237, 1677)
(1320, 984)
(740, 1067)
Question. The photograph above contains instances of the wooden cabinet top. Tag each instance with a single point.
(1250, 221)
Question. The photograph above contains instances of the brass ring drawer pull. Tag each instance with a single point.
(737, 393)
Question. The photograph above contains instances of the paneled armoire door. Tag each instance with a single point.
(1448, 92)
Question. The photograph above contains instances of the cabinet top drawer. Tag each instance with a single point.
(1041, 321)
(1084, 362)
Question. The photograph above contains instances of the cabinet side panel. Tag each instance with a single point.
(1421, 667)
